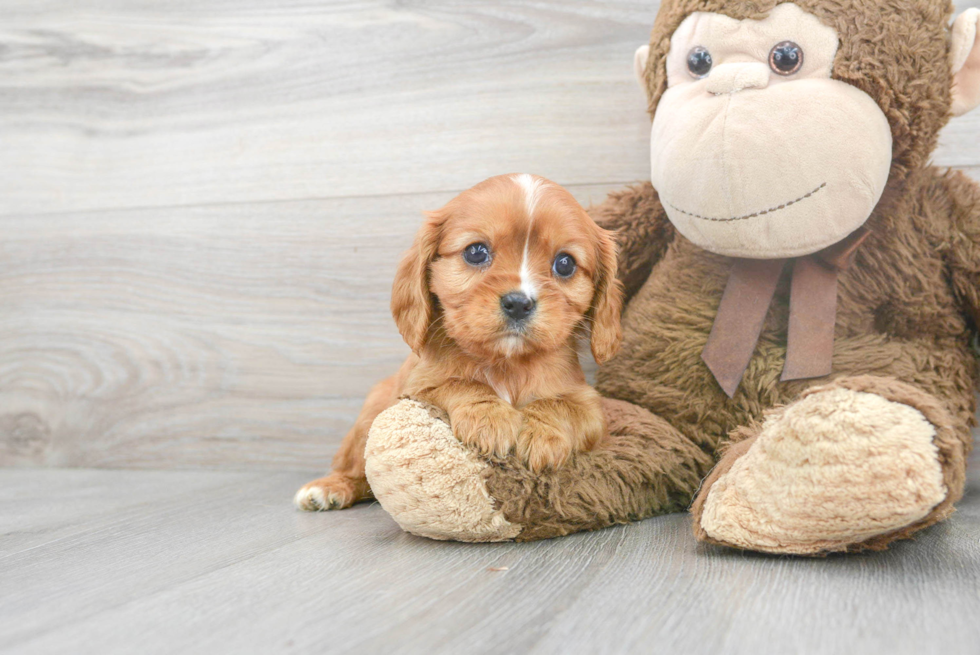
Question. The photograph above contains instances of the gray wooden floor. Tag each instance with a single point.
(201, 206)
(216, 562)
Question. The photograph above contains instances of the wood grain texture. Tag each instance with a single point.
(184, 103)
(202, 202)
(139, 104)
(221, 563)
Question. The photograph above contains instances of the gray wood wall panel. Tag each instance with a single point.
(201, 203)
(191, 103)
(108, 105)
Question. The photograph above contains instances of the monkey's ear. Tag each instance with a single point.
(607, 301)
(964, 59)
(412, 304)
(640, 66)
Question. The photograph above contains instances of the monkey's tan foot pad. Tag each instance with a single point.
(428, 481)
(840, 469)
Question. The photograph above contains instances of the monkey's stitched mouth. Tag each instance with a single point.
(752, 215)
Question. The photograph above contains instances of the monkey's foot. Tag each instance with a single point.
(849, 466)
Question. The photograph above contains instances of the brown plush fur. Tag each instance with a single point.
(908, 307)
(898, 316)
(643, 467)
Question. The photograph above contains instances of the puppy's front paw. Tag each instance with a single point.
(332, 492)
(491, 428)
(542, 444)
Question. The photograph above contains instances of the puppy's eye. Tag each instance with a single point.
(786, 58)
(698, 61)
(476, 254)
(564, 265)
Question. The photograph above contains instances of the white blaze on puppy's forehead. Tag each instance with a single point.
(531, 186)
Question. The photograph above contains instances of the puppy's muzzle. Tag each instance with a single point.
(517, 306)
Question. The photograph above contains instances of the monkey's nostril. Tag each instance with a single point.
(517, 305)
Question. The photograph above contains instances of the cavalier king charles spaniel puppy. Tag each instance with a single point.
(493, 297)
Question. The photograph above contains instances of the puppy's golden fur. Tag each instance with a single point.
(507, 385)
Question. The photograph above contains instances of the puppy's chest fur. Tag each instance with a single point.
(517, 388)
(505, 389)
(517, 381)
(523, 382)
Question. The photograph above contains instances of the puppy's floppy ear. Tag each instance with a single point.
(412, 303)
(607, 301)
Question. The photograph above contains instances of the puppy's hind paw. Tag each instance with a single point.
(323, 495)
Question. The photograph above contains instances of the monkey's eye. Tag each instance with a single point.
(564, 265)
(476, 254)
(698, 61)
(785, 58)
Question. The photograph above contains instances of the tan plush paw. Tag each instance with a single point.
(834, 469)
(490, 428)
(331, 492)
(428, 481)
(542, 444)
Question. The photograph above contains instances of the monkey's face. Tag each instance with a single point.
(756, 152)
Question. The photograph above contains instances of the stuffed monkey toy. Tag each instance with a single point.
(803, 294)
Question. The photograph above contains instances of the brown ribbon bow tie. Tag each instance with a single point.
(812, 313)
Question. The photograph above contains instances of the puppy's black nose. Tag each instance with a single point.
(517, 305)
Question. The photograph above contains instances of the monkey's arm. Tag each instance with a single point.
(642, 229)
(963, 252)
